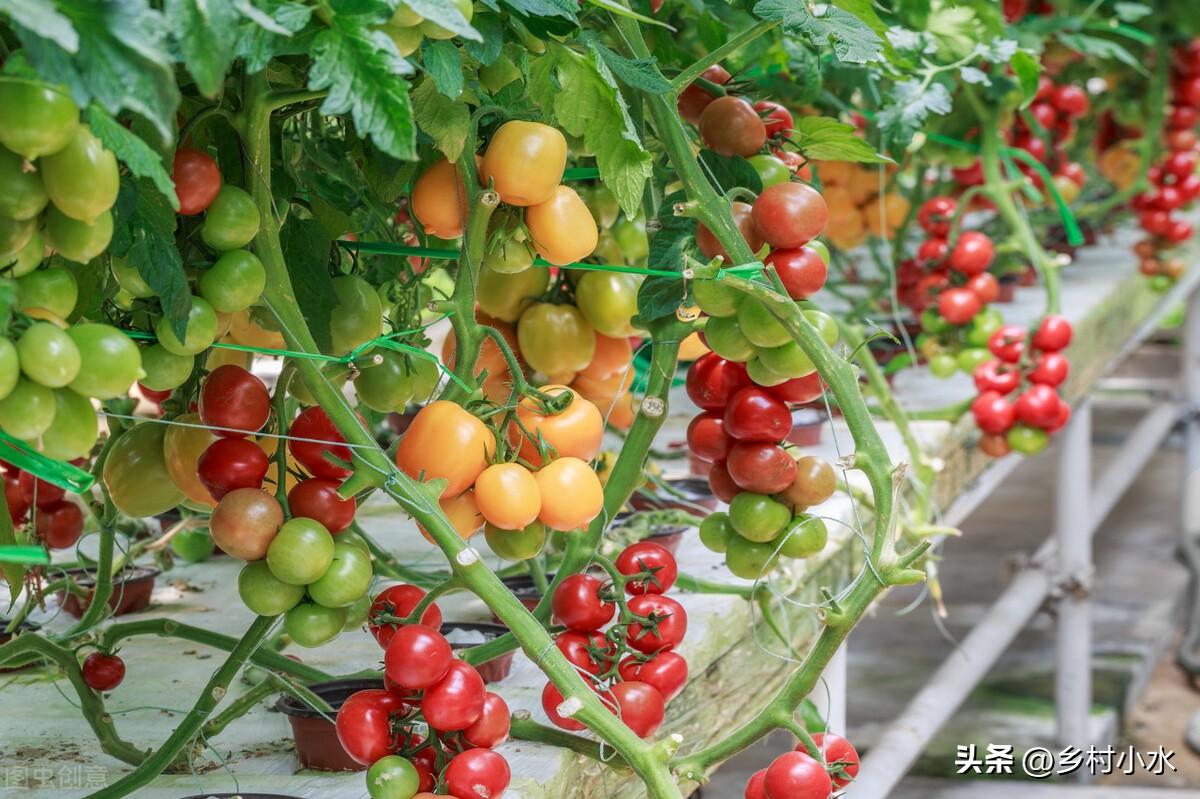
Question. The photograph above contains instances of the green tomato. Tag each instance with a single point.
(1160, 283)
(806, 535)
(357, 317)
(35, 119)
(28, 410)
(425, 377)
(111, 361)
(14, 235)
(22, 195)
(716, 531)
(387, 386)
(310, 624)
(759, 327)
(750, 560)
(1027, 440)
(932, 321)
(604, 205)
(135, 472)
(435, 31)
(10, 367)
(943, 365)
(263, 593)
(407, 40)
(300, 552)
(82, 178)
(716, 299)
(757, 517)
(631, 235)
(357, 614)
(821, 249)
(825, 324)
(130, 279)
(770, 169)
(505, 296)
(555, 339)
(609, 302)
(970, 358)
(509, 257)
(981, 328)
(193, 546)
(232, 221)
(393, 777)
(787, 361)
(74, 429)
(234, 283)
(405, 17)
(346, 579)
(608, 250)
(201, 330)
(725, 338)
(164, 369)
(48, 355)
(763, 376)
(75, 240)
(520, 544)
(28, 258)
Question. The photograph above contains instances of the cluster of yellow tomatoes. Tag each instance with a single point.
(859, 204)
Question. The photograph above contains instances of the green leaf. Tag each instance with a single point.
(853, 40)
(1027, 69)
(624, 11)
(865, 11)
(306, 246)
(659, 297)
(42, 19)
(144, 235)
(826, 139)
(205, 32)
(586, 102)
(1131, 12)
(1099, 47)
(444, 65)
(567, 9)
(641, 74)
(445, 14)
(446, 123)
(492, 30)
(363, 72)
(138, 156)
(726, 172)
(908, 105)
(269, 29)
(122, 61)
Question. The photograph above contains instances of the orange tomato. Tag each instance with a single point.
(498, 383)
(439, 200)
(834, 173)
(617, 409)
(571, 494)
(219, 356)
(863, 184)
(508, 496)
(182, 448)
(269, 445)
(562, 227)
(612, 356)
(245, 331)
(444, 441)
(463, 513)
(840, 202)
(576, 432)
(894, 210)
(592, 387)
(692, 348)
(525, 162)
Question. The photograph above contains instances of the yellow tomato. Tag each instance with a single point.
(444, 441)
(571, 494)
(508, 496)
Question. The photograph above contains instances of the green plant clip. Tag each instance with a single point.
(24, 554)
(59, 473)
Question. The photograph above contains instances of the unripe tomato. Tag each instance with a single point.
(516, 544)
(609, 302)
(197, 180)
(571, 494)
(111, 362)
(726, 339)
(771, 170)
(524, 162)
(28, 410)
(74, 429)
(36, 119)
(312, 625)
(14, 236)
(507, 495)
(555, 339)
(439, 200)
(509, 256)
(231, 221)
(346, 579)
(789, 215)
(576, 432)
(444, 441)
(183, 444)
(48, 355)
(730, 126)
(716, 299)
(27, 258)
(201, 330)
(135, 472)
(388, 385)
(82, 178)
(708, 245)
(235, 281)
(77, 240)
(22, 195)
(358, 316)
(506, 296)
(10, 367)
(562, 227)
(1027, 440)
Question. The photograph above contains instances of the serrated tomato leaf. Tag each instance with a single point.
(205, 31)
(852, 39)
(447, 123)
(43, 19)
(138, 156)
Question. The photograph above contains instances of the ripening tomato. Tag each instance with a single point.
(234, 402)
(571, 494)
(562, 228)
(609, 302)
(507, 495)
(311, 435)
(670, 623)
(760, 466)
(730, 126)
(135, 472)
(524, 162)
(742, 213)
(555, 340)
(802, 271)
(183, 444)
(197, 180)
(789, 215)
(439, 200)
(245, 522)
(814, 483)
(364, 725)
(694, 99)
(577, 431)
(446, 442)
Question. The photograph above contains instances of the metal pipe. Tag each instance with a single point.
(1073, 528)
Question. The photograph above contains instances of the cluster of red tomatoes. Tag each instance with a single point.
(1032, 368)
(57, 523)
(633, 666)
(799, 775)
(424, 684)
(1175, 179)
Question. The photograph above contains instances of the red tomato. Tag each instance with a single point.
(586, 651)
(231, 463)
(721, 483)
(1183, 117)
(1051, 369)
(318, 498)
(234, 402)
(984, 286)
(996, 376)
(313, 434)
(694, 99)
(103, 672)
(1071, 100)
(936, 214)
(1008, 343)
(708, 245)
(39, 492)
(669, 623)
(578, 605)
(933, 252)
(364, 724)
(399, 600)
(197, 180)
(18, 506)
(973, 253)
(477, 774)
(730, 126)
(666, 671)
(778, 120)
(639, 705)
(795, 775)
(417, 657)
(1037, 406)
(802, 271)
(839, 752)
(59, 526)
(993, 413)
(789, 214)
(712, 380)
(643, 557)
(754, 414)
(756, 786)
(1053, 334)
(799, 389)
(760, 467)
(958, 306)
(551, 699)
(456, 702)
(493, 725)
(707, 438)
